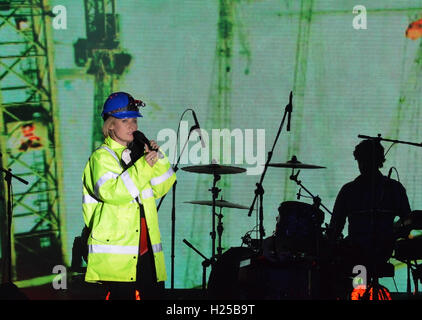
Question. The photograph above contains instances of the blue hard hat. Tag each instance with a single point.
(121, 105)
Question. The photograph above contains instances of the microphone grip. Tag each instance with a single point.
(197, 127)
(138, 135)
(288, 120)
(195, 119)
(289, 108)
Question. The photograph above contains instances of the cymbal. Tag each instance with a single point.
(219, 203)
(295, 164)
(214, 169)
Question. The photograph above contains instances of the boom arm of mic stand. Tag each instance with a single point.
(390, 140)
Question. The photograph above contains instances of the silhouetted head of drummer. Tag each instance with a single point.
(370, 156)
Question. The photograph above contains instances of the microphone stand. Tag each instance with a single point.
(259, 191)
(173, 209)
(7, 265)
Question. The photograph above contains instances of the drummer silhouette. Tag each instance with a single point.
(370, 203)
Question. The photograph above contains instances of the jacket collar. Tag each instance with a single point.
(115, 146)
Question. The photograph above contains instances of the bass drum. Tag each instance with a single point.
(223, 282)
(240, 274)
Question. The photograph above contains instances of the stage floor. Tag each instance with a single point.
(96, 292)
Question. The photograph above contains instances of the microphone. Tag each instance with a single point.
(198, 128)
(138, 135)
(289, 110)
(298, 194)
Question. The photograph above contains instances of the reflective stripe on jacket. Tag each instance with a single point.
(111, 211)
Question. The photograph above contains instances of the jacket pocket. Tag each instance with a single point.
(110, 225)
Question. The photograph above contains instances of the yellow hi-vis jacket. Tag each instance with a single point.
(111, 211)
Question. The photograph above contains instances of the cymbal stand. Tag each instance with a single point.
(220, 230)
(205, 264)
(214, 190)
(259, 191)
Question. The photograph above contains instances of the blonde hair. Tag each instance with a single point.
(106, 126)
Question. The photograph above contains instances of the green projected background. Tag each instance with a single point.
(235, 63)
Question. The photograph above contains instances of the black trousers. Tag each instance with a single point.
(146, 282)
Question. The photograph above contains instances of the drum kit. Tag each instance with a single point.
(294, 264)
(296, 249)
(298, 228)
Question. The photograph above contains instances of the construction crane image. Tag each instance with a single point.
(33, 237)
(101, 53)
(34, 242)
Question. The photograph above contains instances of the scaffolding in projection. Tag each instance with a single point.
(29, 141)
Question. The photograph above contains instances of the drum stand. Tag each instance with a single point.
(220, 230)
(316, 203)
(215, 170)
(215, 191)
